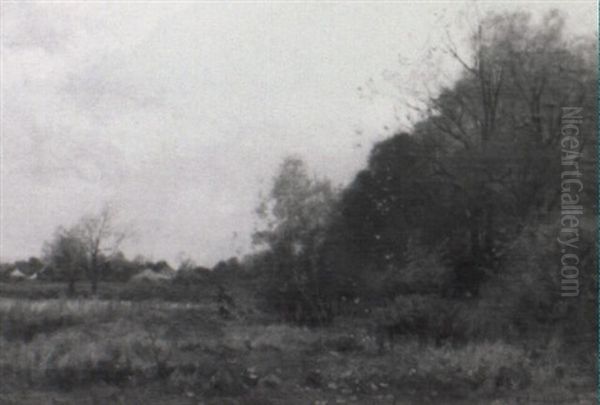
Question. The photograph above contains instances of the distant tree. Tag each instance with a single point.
(141, 260)
(185, 262)
(295, 216)
(101, 237)
(30, 266)
(193, 275)
(161, 265)
(230, 265)
(67, 255)
(118, 267)
(35, 264)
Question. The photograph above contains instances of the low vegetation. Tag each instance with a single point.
(85, 351)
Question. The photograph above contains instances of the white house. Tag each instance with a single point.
(151, 275)
(17, 274)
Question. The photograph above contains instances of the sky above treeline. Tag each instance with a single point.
(178, 114)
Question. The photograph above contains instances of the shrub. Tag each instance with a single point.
(482, 365)
(424, 316)
(343, 344)
(424, 274)
(195, 275)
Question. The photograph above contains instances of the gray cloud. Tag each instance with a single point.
(180, 113)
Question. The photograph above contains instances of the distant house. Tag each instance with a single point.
(17, 275)
(152, 275)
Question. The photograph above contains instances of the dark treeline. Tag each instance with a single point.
(451, 230)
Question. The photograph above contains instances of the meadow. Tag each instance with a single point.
(163, 351)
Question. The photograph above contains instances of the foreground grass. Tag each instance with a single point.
(153, 352)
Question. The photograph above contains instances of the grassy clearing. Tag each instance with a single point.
(93, 351)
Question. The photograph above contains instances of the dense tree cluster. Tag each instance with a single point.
(464, 207)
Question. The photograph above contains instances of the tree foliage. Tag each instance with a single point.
(484, 159)
(88, 248)
(296, 215)
(66, 254)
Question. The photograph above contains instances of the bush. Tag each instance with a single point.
(196, 275)
(523, 298)
(424, 275)
(488, 366)
(427, 317)
(343, 344)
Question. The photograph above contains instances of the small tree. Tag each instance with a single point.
(67, 255)
(100, 236)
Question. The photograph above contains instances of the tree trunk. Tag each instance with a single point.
(94, 274)
(71, 287)
(474, 240)
(489, 233)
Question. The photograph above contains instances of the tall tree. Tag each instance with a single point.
(483, 160)
(295, 217)
(499, 124)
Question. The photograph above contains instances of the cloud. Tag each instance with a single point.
(180, 113)
(27, 26)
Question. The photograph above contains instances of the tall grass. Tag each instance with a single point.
(67, 343)
(81, 344)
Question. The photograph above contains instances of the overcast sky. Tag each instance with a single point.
(178, 114)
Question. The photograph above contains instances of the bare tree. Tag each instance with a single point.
(101, 237)
(498, 123)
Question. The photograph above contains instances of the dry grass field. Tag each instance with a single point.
(98, 351)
